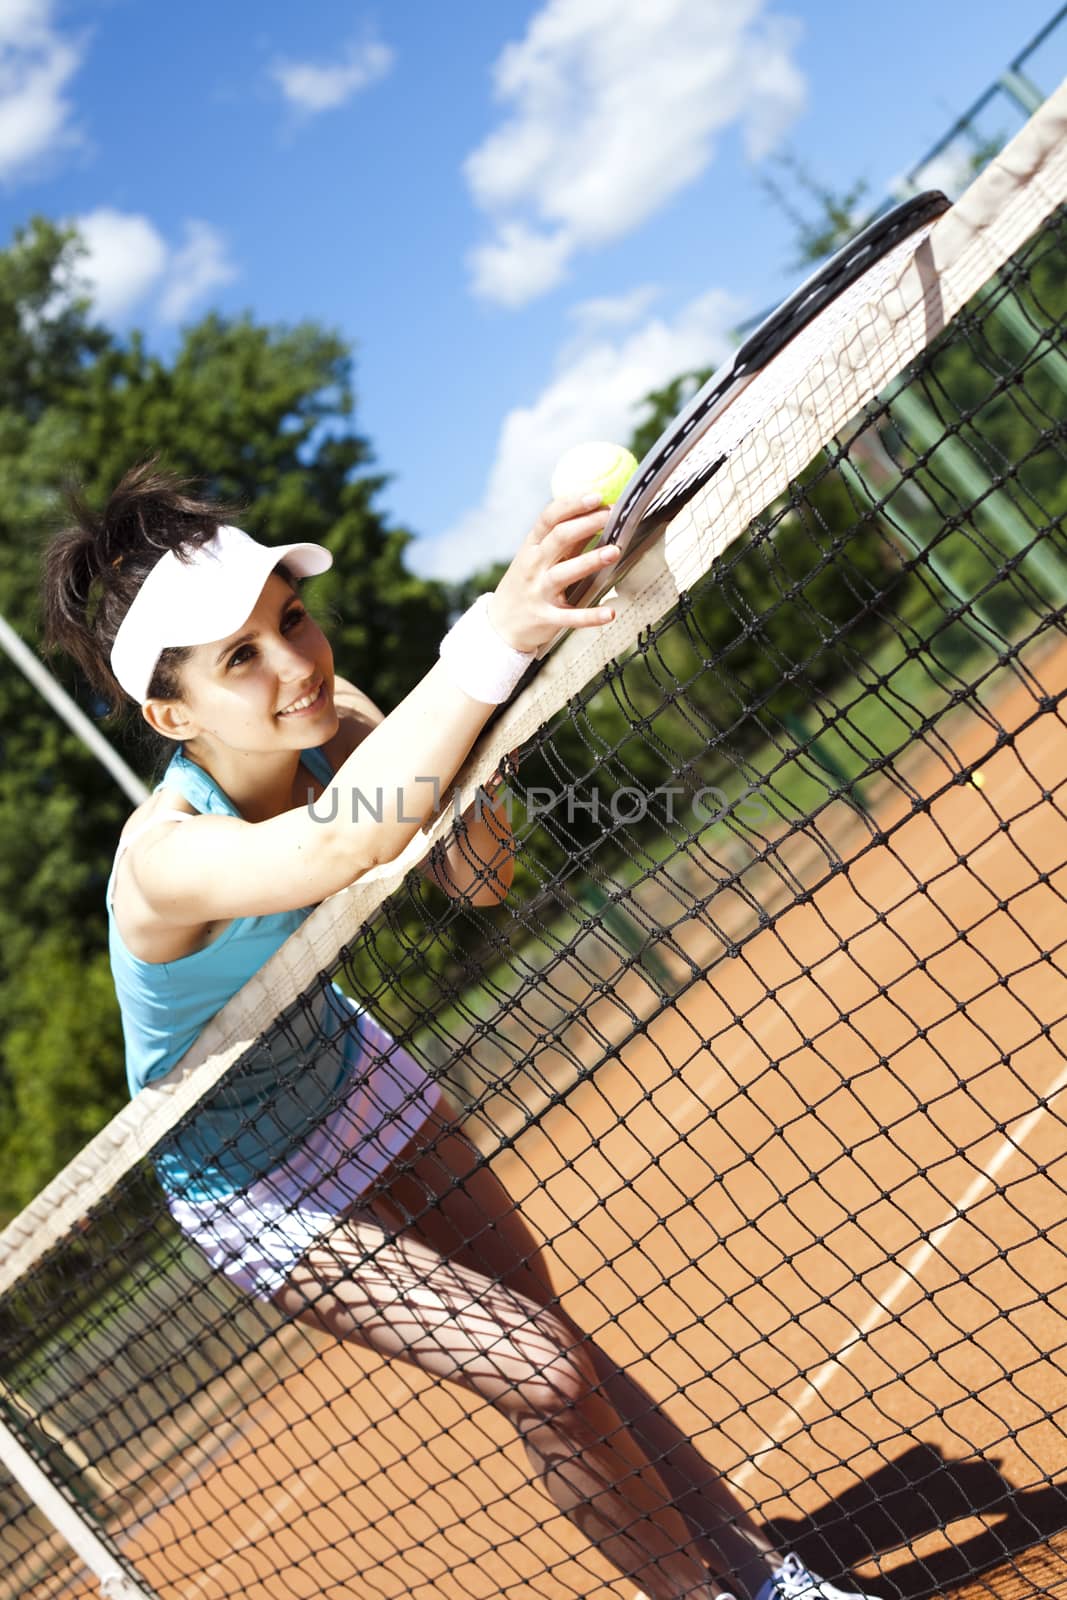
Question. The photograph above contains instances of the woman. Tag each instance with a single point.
(346, 1191)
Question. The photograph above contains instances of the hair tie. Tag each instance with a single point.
(119, 560)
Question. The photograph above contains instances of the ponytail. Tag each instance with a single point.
(95, 566)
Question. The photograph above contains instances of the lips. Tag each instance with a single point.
(306, 703)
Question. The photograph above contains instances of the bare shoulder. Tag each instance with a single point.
(357, 715)
(160, 805)
(145, 934)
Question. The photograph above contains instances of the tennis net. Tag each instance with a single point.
(769, 1042)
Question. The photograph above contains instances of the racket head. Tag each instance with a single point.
(674, 470)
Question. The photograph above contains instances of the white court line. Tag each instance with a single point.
(909, 1273)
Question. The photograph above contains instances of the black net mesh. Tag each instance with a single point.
(760, 1170)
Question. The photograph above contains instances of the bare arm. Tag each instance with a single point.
(477, 861)
(216, 867)
(220, 867)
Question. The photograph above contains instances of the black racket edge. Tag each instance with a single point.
(772, 335)
(628, 517)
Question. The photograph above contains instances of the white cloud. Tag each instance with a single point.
(595, 394)
(614, 311)
(127, 259)
(612, 108)
(36, 65)
(311, 88)
(519, 264)
(198, 267)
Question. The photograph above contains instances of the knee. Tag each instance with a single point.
(561, 1383)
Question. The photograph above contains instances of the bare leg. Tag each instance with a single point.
(728, 1539)
(453, 1200)
(400, 1297)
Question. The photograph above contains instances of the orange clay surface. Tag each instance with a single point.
(907, 1301)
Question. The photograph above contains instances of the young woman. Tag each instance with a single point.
(346, 1192)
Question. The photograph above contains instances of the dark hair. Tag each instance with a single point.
(95, 566)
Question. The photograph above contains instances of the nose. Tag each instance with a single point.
(292, 661)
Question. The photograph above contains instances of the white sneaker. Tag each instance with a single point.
(793, 1581)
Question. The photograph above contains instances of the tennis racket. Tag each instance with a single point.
(730, 405)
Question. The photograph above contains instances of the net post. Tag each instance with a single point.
(18, 1407)
(42, 680)
(1009, 312)
(856, 470)
(1022, 90)
(115, 1583)
(957, 462)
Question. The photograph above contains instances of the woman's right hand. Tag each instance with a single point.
(528, 608)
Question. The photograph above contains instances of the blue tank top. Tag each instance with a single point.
(263, 1108)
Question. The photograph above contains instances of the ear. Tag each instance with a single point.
(170, 718)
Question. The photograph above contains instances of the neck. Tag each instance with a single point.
(259, 785)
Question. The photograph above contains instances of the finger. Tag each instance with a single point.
(508, 764)
(563, 510)
(575, 532)
(588, 617)
(564, 573)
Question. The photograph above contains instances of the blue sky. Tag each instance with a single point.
(523, 213)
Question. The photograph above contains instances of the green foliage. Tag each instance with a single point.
(61, 1062)
(465, 591)
(836, 217)
(46, 339)
(663, 405)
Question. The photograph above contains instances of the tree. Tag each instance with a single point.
(837, 216)
(663, 405)
(61, 1065)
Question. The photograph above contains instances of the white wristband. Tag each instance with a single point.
(479, 661)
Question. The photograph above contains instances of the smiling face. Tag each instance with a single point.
(267, 687)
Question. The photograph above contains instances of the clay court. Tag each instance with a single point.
(817, 1208)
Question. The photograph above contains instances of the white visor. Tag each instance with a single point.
(201, 597)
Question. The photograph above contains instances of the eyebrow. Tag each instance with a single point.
(246, 638)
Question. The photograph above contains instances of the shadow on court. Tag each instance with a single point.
(920, 1495)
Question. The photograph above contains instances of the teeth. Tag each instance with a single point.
(299, 705)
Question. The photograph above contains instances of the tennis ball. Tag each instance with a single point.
(978, 779)
(600, 468)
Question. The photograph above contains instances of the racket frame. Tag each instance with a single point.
(636, 519)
